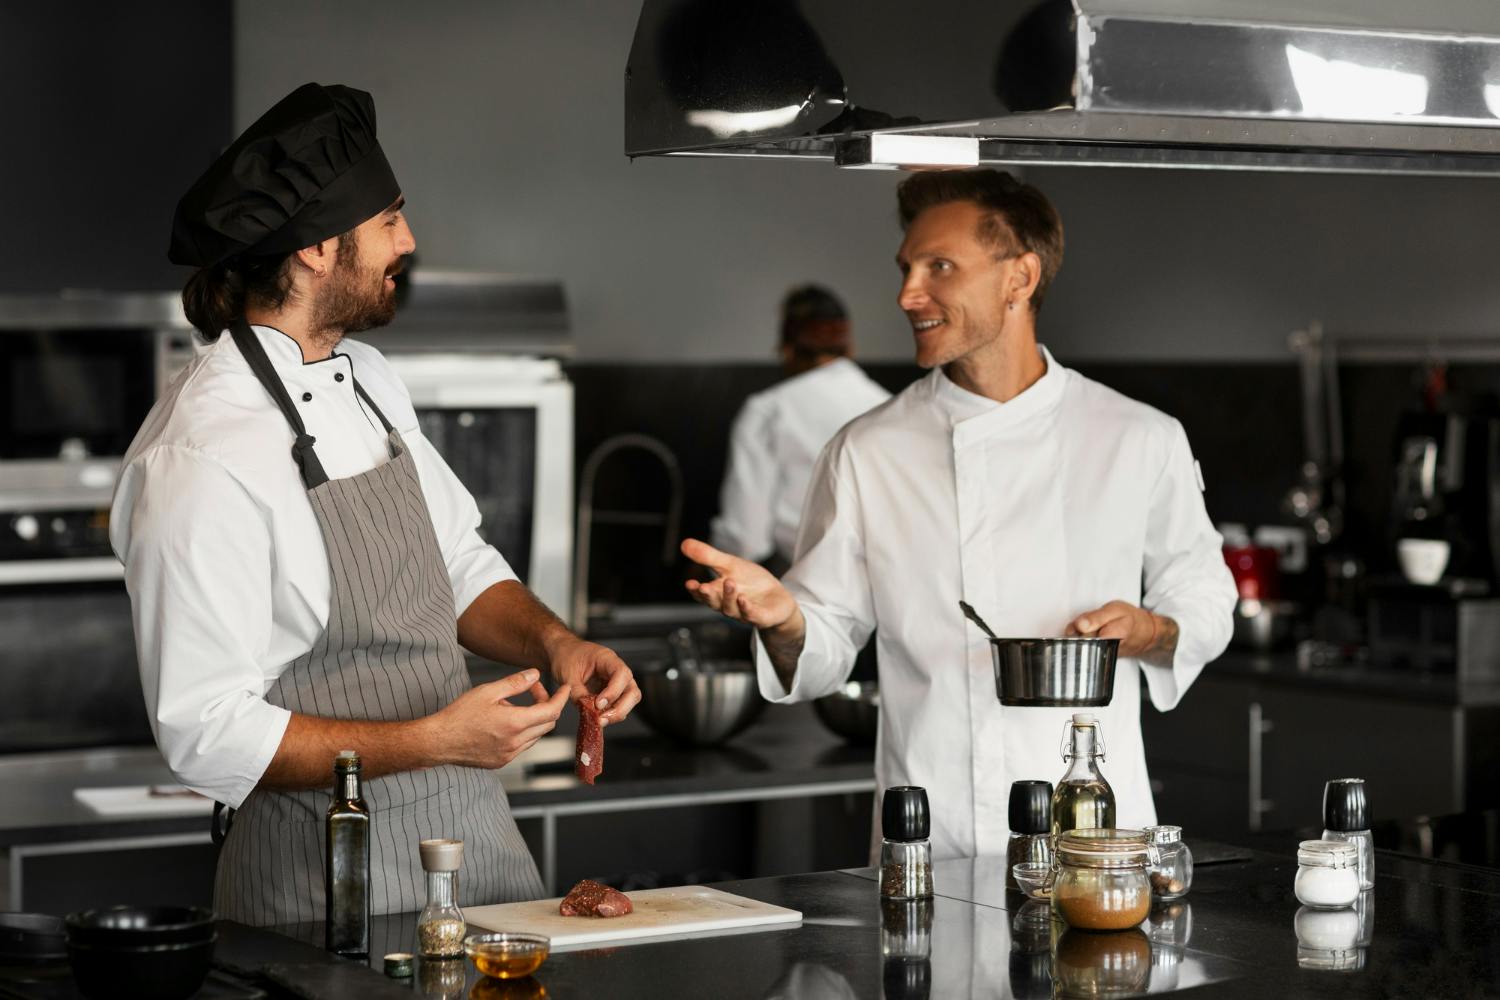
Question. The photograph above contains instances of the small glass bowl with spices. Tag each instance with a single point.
(1327, 874)
(1172, 872)
(1102, 882)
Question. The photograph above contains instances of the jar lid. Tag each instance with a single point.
(1102, 847)
(1164, 834)
(398, 964)
(1328, 854)
(441, 855)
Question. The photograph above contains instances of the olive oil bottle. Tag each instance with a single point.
(1082, 798)
(346, 872)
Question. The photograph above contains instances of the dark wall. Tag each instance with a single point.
(110, 112)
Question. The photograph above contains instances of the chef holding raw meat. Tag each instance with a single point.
(304, 570)
(1049, 502)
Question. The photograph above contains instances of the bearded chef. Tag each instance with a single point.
(1049, 502)
(304, 570)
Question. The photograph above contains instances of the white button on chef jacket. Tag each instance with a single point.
(1036, 510)
(224, 560)
(773, 446)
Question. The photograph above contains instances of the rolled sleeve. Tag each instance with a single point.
(1185, 576)
(473, 564)
(830, 581)
(198, 567)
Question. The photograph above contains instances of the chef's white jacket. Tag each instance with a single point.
(224, 561)
(1066, 497)
(773, 446)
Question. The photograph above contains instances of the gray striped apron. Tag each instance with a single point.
(389, 651)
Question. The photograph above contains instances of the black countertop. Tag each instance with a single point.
(1433, 930)
(1280, 667)
(787, 746)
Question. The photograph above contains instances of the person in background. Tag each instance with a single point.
(779, 432)
(305, 572)
(1051, 503)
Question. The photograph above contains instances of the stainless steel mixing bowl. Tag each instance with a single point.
(852, 712)
(700, 707)
(1072, 673)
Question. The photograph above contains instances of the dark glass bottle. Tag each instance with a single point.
(346, 872)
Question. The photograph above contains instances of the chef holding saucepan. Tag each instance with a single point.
(303, 566)
(1047, 501)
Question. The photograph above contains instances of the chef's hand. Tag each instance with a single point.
(743, 590)
(483, 728)
(1137, 629)
(599, 671)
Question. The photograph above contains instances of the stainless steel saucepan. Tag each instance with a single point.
(1073, 672)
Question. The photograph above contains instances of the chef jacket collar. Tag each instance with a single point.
(972, 415)
(286, 354)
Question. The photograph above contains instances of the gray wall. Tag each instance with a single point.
(503, 120)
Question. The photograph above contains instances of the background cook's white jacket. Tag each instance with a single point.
(224, 560)
(1063, 499)
(773, 446)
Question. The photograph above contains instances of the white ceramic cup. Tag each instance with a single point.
(1422, 559)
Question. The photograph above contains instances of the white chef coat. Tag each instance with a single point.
(1066, 497)
(773, 446)
(224, 561)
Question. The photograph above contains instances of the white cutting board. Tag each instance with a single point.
(137, 800)
(683, 911)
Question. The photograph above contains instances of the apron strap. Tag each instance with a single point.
(371, 404)
(313, 475)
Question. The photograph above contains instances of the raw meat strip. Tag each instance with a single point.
(588, 760)
(594, 899)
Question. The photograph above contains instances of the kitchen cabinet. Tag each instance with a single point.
(1248, 751)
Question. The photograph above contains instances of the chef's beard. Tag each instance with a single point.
(347, 304)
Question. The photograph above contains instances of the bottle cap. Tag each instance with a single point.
(441, 855)
(1031, 807)
(1083, 719)
(346, 760)
(1345, 805)
(904, 815)
(398, 965)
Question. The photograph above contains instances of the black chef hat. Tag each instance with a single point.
(308, 169)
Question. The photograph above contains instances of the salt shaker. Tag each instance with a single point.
(440, 927)
(1346, 817)
(905, 851)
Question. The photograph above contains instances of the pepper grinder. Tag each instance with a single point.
(1346, 817)
(1030, 813)
(905, 851)
(440, 927)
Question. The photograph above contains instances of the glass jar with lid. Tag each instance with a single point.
(1327, 874)
(1172, 873)
(1102, 882)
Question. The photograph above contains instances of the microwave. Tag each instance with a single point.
(504, 425)
(78, 374)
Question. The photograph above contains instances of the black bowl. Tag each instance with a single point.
(150, 972)
(31, 937)
(140, 926)
(852, 712)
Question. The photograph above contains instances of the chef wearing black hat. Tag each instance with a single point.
(303, 567)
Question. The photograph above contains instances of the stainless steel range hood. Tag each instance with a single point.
(1346, 86)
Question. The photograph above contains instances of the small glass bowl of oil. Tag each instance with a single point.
(507, 955)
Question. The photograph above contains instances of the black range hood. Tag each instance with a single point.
(1345, 86)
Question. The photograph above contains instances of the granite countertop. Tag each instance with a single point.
(786, 746)
(1428, 929)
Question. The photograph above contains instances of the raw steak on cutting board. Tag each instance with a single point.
(594, 899)
(588, 762)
